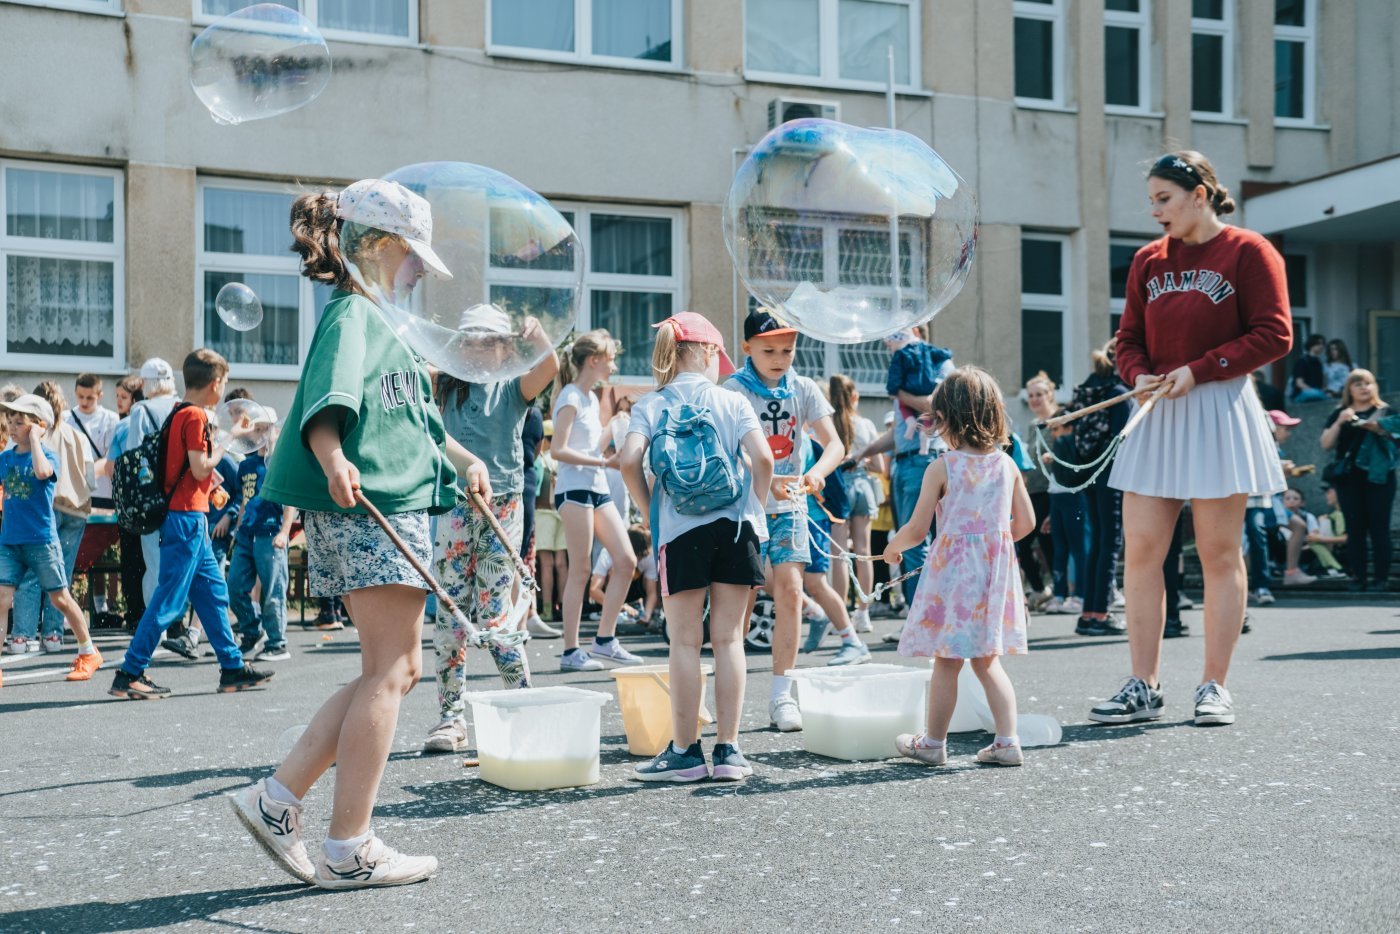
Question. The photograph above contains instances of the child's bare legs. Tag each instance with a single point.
(785, 586)
(545, 560)
(355, 728)
(63, 601)
(831, 602)
(578, 533)
(684, 617)
(942, 697)
(1001, 696)
(612, 532)
(727, 618)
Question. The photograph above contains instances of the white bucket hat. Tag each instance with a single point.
(392, 208)
(30, 404)
(484, 319)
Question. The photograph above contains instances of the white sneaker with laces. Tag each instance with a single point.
(373, 864)
(893, 636)
(1072, 606)
(1214, 705)
(784, 714)
(579, 660)
(53, 644)
(614, 652)
(276, 827)
(1056, 605)
(861, 620)
(17, 645)
(447, 736)
(542, 630)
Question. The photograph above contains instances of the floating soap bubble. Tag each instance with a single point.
(262, 61)
(1038, 729)
(812, 215)
(492, 283)
(244, 426)
(238, 306)
(287, 739)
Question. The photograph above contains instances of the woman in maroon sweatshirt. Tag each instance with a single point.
(1207, 305)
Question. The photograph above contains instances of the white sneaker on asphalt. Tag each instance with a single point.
(542, 630)
(276, 827)
(851, 653)
(1119, 601)
(53, 645)
(1214, 705)
(893, 636)
(1072, 606)
(784, 714)
(1056, 605)
(1263, 596)
(447, 736)
(579, 660)
(373, 864)
(861, 620)
(614, 652)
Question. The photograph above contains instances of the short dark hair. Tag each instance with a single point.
(1316, 340)
(88, 381)
(203, 367)
(640, 539)
(237, 392)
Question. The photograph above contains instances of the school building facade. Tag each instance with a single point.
(127, 207)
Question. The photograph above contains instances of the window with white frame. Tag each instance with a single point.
(1296, 268)
(355, 20)
(630, 33)
(1127, 50)
(111, 7)
(1045, 298)
(1295, 27)
(832, 42)
(1039, 52)
(635, 258)
(1121, 251)
(1213, 57)
(62, 246)
(244, 237)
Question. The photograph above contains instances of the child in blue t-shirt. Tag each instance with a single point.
(915, 367)
(29, 536)
(260, 556)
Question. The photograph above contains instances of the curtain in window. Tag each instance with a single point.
(868, 28)
(633, 29)
(636, 246)
(246, 222)
(62, 307)
(276, 340)
(783, 36)
(58, 205)
(533, 24)
(225, 7)
(629, 317)
(381, 17)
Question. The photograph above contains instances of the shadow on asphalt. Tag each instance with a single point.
(143, 914)
(1384, 653)
(1055, 643)
(1385, 632)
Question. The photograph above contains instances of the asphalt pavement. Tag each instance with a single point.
(112, 815)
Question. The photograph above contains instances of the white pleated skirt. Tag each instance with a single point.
(1213, 442)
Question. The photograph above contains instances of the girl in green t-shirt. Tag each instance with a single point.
(365, 422)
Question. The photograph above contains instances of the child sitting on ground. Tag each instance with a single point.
(643, 587)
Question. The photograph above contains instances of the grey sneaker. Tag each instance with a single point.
(276, 827)
(1134, 701)
(614, 652)
(851, 653)
(1214, 706)
(816, 631)
(579, 660)
(542, 630)
(730, 764)
(907, 745)
(373, 864)
(447, 736)
(672, 765)
(784, 714)
(273, 654)
(893, 636)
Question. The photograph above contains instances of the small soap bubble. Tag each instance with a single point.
(244, 426)
(238, 306)
(1038, 729)
(812, 217)
(288, 739)
(259, 62)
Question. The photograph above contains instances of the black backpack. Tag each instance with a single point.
(138, 481)
(1093, 432)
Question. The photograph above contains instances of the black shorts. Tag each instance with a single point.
(711, 555)
(583, 498)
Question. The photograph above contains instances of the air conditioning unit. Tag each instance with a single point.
(783, 109)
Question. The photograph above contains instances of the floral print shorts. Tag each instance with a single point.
(348, 552)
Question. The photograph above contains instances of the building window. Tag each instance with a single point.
(1039, 49)
(63, 304)
(635, 259)
(355, 20)
(1294, 51)
(1296, 268)
(244, 237)
(630, 33)
(1120, 259)
(1127, 63)
(1213, 57)
(1045, 297)
(834, 42)
(110, 7)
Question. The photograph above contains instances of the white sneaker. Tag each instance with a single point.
(276, 827)
(784, 714)
(447, 736)
(53, 644)
(1072, 606)
(579, 660)
(1184, 602)
(1293, 578)
(1119, 601)
(18, 645)
(893, 636)
(861, 620)
(1263, 596)
(372, 864)
(542, 630)
(1056, 605)
(614, 652)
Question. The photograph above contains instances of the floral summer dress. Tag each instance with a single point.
(969, 602)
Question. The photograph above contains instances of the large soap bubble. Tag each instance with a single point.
(244, 426)
(238, 306)
(812, 215)
(501, 270)
(262, 61)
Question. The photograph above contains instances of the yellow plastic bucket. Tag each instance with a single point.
(644, 696)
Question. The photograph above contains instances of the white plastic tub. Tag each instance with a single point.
(855, 713)
(538, 738)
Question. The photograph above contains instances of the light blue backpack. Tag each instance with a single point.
(690, 461)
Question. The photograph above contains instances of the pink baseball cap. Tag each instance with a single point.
(689, 326)
(1283, 418)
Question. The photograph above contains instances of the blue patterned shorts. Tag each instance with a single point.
(348, 552)
(787, 539)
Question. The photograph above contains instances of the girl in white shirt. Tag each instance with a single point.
(584, 503)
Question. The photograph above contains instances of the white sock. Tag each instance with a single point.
(782, 684)
(1008, 740)
(928, 742)
(848, 636)
(86, 648)
(280, 793)
(337, 850)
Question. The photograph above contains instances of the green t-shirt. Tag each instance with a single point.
(390, 427)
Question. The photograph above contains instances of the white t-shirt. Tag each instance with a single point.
(100, 427)
(585, 437)
(782, 421)
(863, 434)
(647, 565)
(734, 419)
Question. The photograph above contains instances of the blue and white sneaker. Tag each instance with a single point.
(579, 660)
(671, 765)
(851, 653)
(816, 631)
(730, 764)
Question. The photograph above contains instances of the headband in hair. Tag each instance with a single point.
(1172, 162)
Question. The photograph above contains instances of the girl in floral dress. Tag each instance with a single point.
(969, 603)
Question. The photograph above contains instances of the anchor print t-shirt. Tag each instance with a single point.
(782, 421)
(390, 428)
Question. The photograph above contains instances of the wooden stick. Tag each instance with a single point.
(527, 580)
(1096, 407)
(1141, 413)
